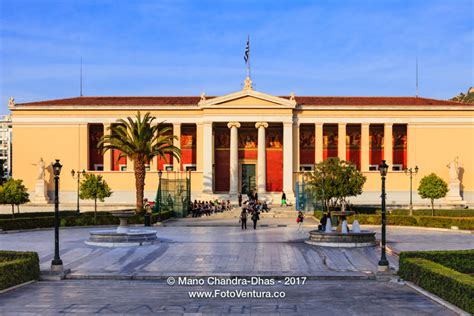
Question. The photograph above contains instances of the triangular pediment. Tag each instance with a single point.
(248, 99)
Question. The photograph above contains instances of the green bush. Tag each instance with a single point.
(37, 214)
(446, 222)
(466, 223)
(459, 260)
(83, 219)
(427, 212)
(451, 285)
(26, 223)
(18, 267)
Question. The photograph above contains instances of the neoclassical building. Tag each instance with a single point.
(249, 140)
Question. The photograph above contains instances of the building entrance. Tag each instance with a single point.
(248, 183)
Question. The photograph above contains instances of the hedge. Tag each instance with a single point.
(459, 260)
(18, 267)
(83, 219)
(400, 220)
(441, 212)
(451, 285)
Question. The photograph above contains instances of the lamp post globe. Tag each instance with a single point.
(77, 175)
(383, 262)
(410, 172)
(57, 263)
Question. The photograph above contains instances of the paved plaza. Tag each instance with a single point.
(81, 297)
(133, 280)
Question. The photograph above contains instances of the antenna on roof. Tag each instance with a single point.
(417, 90)
(80, 92)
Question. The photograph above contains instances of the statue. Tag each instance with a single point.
(41, 189)
(203, 96)
(454, 194)
(41, 168)
(11, 102)
(292, 96)
(453, 169)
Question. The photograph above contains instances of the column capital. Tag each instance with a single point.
(388, 124)
(233, 124)
(261, 124)
(342, 124)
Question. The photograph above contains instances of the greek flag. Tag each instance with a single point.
(247, 51)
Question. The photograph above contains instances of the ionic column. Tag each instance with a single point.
(296, 147)
(207, 157)
(261, 158)
(288, 160)
(234, 157)
(318, 142)
(411, 149)
(108, 153)
(177, 143)
(364, 147)
(341, 143)
(388, 145)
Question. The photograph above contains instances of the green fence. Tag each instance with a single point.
(174, 193)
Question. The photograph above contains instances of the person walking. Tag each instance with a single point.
(240, 199)
(255, 218)
(283, 199)
(299, 222)
(243, 218)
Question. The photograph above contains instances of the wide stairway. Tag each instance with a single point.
(275, 212)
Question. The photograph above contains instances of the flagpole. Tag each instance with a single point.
(248, 64)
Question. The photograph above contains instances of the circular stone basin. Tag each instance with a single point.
(112, 238)
(336, 239)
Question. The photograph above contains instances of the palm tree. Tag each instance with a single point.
(140, 140)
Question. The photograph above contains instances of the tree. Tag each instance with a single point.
(334, 180)
(94, 187)
(140, 140)
(432, 187)
(14, 193)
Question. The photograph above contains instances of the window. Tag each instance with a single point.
(373, 167)
(147, 167)
(168, 167)
(98, 167)
(190, 167)
(123, 167)
(306, 167)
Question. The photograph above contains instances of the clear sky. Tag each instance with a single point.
(184, 47)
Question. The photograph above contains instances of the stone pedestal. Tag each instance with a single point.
(454, 196)
(41, 193)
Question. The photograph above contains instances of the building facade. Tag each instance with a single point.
(250, 140)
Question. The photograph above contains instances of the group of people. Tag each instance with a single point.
(252, 209)
(200, 208)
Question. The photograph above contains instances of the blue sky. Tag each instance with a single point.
(185, 47)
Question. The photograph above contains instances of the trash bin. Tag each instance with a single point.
(147, 219)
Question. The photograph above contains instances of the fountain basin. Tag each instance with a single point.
(123, 236)
(112, 238)
(336, 239)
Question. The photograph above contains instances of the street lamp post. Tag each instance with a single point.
(57, 263)
(77, 175)
(411, 172)
(383, 263)
(322, 189)
(157, 206)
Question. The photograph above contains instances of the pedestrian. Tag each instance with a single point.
(255, 218)
(255, 197)
(299, 222)
(283, 199)
(323, 221)
(240, 199)
(243, 218)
